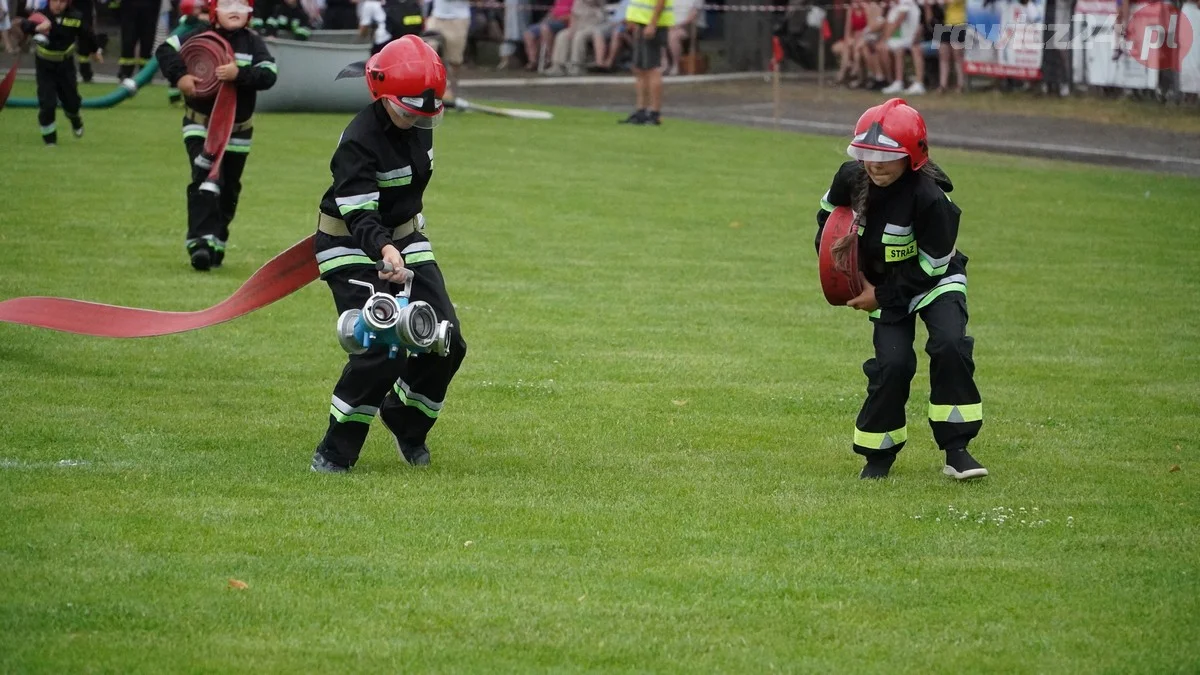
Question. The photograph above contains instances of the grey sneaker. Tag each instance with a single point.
(961, 465)
(322, 465)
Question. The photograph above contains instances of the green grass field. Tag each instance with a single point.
(643, 464)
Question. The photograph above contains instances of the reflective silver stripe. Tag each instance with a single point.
(355, 200)
(194, 129)
(431, 158)
(826, 205)
(417, 247)
(935, 262)
(391, 175)
(243, 57)
(174, 42)
(897, 230)
(408, 393)
(347, 409)
(339, 251)
(240, 141)
(952, 279)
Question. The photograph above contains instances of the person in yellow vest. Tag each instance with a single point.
(649, 22)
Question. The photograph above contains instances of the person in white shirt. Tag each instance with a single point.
(452, 20)
(903, 28)
(372, 15)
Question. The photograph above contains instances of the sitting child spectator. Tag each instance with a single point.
(539, 37)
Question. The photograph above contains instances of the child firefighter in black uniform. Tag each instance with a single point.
(372, 212)
(907, 230)
(210, 213)
(56, 41)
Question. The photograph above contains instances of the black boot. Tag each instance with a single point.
(878, 465)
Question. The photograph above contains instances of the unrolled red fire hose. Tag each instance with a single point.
(6, 84)
(284, 274)
(840, 284)
(203, 53)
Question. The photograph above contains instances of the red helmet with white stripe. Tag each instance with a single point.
(888, 132)
(410, 77)
(191, 7)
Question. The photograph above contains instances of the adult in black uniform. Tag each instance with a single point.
(91, 45)
(906, 238)
(372, 212)
(55, 40)
(210, 213)
(139, 21)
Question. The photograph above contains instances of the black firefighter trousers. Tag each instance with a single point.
(406, 393)
(56, 82)
(139, 22)
(955, 410)
(209, 214)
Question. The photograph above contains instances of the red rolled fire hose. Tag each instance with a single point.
(284, 274)
(203, 53)
(840, 284)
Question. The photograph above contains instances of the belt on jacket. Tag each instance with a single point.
(200, 118)
(336, 227)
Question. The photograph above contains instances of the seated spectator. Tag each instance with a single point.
(539, 37)
(850, 64)
(615, 31)
(688, 14)
(570, 45)
(875, 60)
(902, 33)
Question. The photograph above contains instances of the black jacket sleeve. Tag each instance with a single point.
(262, 72)
(935, 228)
(356, 193)
(839, 194)
(170, 63)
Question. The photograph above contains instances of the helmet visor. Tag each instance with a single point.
(419, 121)
(874, 154)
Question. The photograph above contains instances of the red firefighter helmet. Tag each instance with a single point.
(410, 77)
(890, 131)
(192, 7)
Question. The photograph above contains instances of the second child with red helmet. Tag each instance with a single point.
(252, 70)
(372, 212)
(907, 232)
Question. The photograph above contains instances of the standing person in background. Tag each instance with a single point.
(289, 17)
(452, 20)
(372, 20)
(139, 21)
(649, 21)
(952, 40)
(90, 44)
(340, 15)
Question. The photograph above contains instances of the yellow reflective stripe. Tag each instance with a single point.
(413, 20)
(883, 441)
(937, 292)
(899, 240)
(71, 23)
(969, 412)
